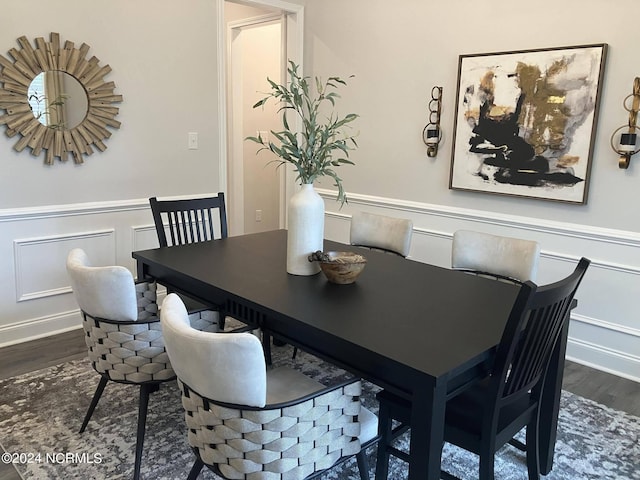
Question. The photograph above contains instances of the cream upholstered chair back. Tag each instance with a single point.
(381, 232)
(227, 367)
(493, 254)
(105, 292)
(245, 421)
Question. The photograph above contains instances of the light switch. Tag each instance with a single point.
(192, 141)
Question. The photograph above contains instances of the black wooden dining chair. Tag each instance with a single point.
(191, 220)
(490, 413)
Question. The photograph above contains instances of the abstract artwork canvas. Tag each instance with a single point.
(525, 122)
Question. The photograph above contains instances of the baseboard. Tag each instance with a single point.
(40, 327)
(604, 359)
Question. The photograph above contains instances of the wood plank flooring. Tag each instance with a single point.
(604, 388)
(41, 353)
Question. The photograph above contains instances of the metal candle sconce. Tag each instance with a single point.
(627, 144)
(432, 134)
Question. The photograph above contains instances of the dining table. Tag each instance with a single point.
(423, 332)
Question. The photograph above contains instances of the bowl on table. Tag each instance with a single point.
(339, 267)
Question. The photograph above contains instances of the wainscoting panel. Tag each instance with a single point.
(39, 271)
(605, 327)
(143, 237)
(605, 332)
(36, 297)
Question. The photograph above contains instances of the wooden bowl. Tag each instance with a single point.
(342, 267)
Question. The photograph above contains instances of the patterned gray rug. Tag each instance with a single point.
(41, 412)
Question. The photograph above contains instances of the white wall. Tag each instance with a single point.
(398, 51)
(163, 59)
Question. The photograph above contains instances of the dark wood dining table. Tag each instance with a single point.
(422, 331)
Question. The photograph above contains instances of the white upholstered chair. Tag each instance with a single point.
(497, 256)
(245, 421)
(381, 232)
(122, 332)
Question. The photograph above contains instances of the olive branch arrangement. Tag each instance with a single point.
(323, 143)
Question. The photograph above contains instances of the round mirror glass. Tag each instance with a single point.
(58, 100)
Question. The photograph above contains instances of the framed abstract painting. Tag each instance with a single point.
(525, 122)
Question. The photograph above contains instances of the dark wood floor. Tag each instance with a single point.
(601, 387)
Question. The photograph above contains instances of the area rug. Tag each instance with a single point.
(41, 412)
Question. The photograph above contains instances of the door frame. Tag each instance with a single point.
(293, 26)
(235, 119)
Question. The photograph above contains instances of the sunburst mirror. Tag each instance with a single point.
(57, 99)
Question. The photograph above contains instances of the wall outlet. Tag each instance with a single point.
(258, 215)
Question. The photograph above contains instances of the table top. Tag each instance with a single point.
(434, 320)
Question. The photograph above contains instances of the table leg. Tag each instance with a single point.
(550, 402)
(140, 271)
(427, 431)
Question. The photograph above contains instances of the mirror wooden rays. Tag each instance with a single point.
(30, 100)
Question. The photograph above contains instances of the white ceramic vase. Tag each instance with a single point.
(305, 230)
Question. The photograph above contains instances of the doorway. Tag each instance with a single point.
(259, 41)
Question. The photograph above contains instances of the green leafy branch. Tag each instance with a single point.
(52, 108)
(322, 144)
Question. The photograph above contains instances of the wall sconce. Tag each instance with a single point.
(627, 144)
(432, 134)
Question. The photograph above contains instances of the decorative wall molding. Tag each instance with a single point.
(587, 232)
(614, 327)
(616, 267)
(617, 237)
(598, 342)
(75, 209)
(602, 358)
(53, 211)
(140, 235)
(40, 327)
(46, 281)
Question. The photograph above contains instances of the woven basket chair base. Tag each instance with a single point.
(288, 443)
(134, 352)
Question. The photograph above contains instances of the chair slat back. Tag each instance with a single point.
(534, 326)
(189, 220)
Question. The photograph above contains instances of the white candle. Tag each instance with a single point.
(628, 142)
